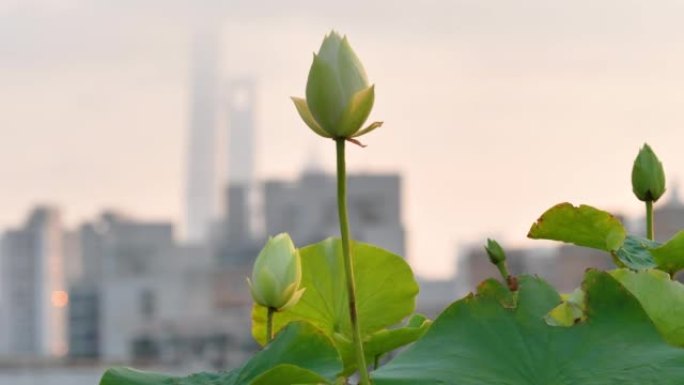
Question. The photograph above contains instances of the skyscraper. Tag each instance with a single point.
(238, 182)
(241, 105)
(34, 291)
(202, 188)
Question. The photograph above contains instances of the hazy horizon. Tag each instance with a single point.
(494, 111)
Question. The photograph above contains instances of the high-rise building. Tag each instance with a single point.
(241, 98)
(202, 187)
(116, 251)
(239, 180)
(206, 151)
(153, 301)
(307, 209)
(73, 262)
(35, 296)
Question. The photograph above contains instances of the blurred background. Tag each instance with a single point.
(149, 147)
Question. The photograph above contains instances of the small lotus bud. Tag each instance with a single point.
(648, 177)
(495, 252)
(338, 97)
(277, 274)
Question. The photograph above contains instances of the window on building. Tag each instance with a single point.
(145, 349)
(147, 307)
(368, 210)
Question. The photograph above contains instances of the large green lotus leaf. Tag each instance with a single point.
(661, 297)
(670, 256)
(582, 226)
(300, 354)
(477, 341)
(636, 253)
(385, 293)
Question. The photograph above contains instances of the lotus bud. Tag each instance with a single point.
(497, 256)
(338, 96)
(277, 274)
(495, 252)
(648, 177)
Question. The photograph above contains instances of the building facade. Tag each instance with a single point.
(307, 209)
(34, 291)
(563, 267)
(114, 250)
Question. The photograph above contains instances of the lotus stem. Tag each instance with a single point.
(269, 324)
(348, 261)
(649, 220)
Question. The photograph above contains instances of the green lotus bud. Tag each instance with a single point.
(495, 252)
(648, 177)
(338, 97)
(277, 274)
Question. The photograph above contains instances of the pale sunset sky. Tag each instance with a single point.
(493, 110)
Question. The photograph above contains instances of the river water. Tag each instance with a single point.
(51, 376)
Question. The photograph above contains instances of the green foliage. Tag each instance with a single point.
(127, 376)
(582, 226)
(597, 229)
(639, 253)
(385, 294)
(635, 253)
(670, 256)
(479, 341)
(569, 312)
(301, 354)
(387, 340)
(661, 298)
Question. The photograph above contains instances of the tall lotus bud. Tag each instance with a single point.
(277, 274)
(648, 177)
(338, 96)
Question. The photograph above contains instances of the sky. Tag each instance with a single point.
(493, 110)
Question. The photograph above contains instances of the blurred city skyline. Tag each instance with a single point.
(493, 111)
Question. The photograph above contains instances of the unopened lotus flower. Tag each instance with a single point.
(648, 176)
(338, 96)
(495, 252)
(277, 274)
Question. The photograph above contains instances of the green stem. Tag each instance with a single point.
(649, 220)
(269, 324)
(348, 262)
(503, 269)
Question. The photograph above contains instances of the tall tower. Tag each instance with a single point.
(202, 187)
(241, 105)
(240, 157)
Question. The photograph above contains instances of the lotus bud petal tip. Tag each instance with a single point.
(277, 274)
